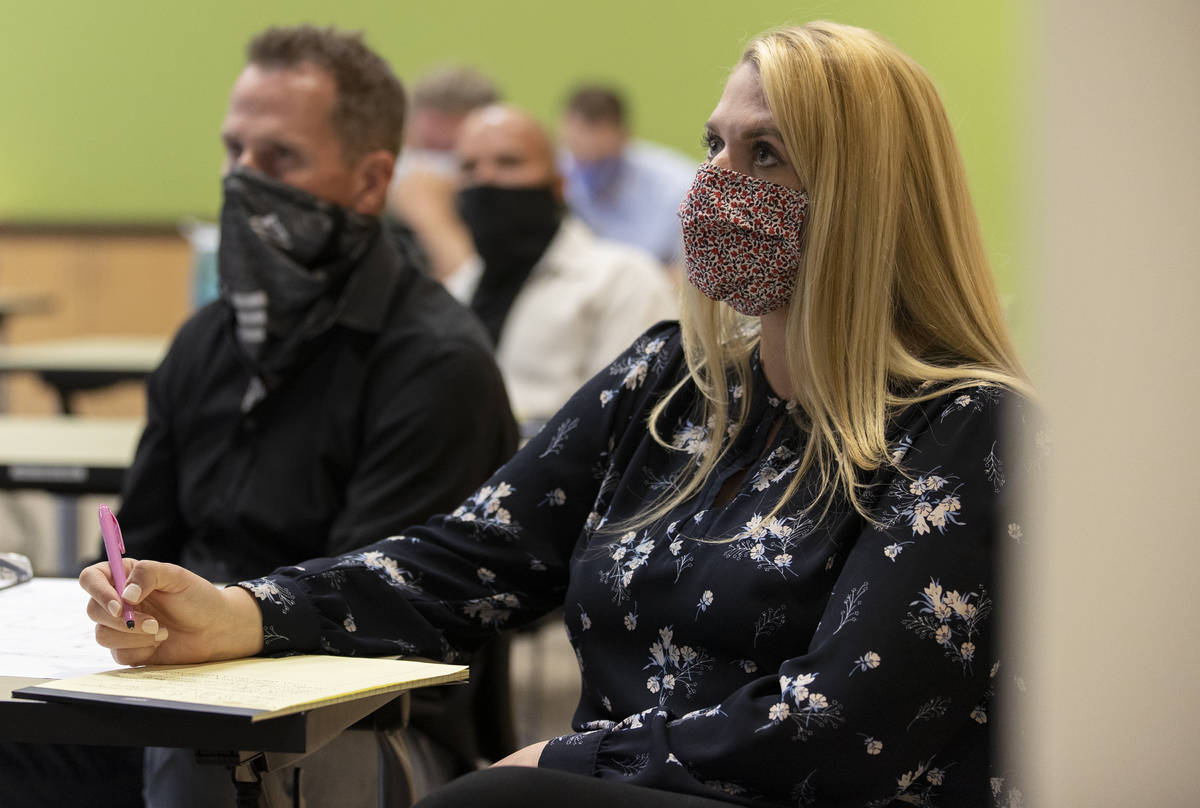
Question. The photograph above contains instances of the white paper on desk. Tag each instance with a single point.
(45, 632)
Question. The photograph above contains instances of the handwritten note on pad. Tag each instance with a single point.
(258, 688)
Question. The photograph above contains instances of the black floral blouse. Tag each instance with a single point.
(800, 659)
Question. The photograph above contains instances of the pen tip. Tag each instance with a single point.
(129, 624)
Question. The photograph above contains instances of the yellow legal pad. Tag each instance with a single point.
(258, 687)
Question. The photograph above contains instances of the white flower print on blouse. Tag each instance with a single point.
(631, 618)
(267, 590)
(1012, 798)
(852, 606)
(692, 438)
(484, 512)
(747, 665)
(633, 366)
(926, 502)
(867, 662)
(781, 463)
(554, 498)
(993, 469)
(950, 619)
(492, 611)
(560, 437)
(628, 556)
(271, 636)
(675, 548)
(706, 600)
(706, 712)
(675, 668)
(916, 787)
(806, 708)
(873, 745)
(635, 721)
(936, 707)
(973, 400)
(385, 566)
(767, 542)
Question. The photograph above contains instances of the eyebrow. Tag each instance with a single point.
(751, 134)
(759, 131)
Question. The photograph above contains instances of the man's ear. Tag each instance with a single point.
(373, 176)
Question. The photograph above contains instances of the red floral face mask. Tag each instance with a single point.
(741, 238)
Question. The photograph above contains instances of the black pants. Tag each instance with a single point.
(36, 775)
(522, 786)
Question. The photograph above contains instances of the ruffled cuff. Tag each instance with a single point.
(290, 623)
(573, 753)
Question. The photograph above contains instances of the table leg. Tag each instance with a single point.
(68, 535)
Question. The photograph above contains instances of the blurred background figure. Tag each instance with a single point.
(426, 172)
(624, 190)
(559, 302)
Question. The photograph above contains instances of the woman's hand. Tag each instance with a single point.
(528, 756)
(179, 616)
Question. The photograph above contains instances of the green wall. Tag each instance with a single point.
(111, 109)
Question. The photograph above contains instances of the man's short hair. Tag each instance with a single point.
(454, 90)
(368, 113)
(597, 103)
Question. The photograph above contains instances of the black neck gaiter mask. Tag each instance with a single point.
(283, 260)
(511, 228)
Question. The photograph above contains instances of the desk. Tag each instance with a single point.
(85, 363)
(66, 455)
(13, 302)
(264, 746)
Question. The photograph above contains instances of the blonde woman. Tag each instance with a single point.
(773, 527)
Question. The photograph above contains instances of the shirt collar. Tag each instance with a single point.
(569, 241)
(368, 294)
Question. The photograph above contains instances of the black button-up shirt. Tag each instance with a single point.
(396, 413)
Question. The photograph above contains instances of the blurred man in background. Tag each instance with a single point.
(427, 170)
(623, 190)
(559, 302)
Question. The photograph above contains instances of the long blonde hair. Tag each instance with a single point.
(893, 289)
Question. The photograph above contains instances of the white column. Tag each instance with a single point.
(1114, 583)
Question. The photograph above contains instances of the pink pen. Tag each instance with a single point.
(114, 546)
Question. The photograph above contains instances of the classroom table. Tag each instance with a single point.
(66, 455)
(84, 363)
(16, 302)
(250, 748)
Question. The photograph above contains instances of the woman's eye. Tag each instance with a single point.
(711, 144)
(764, 156)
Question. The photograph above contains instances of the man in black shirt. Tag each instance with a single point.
(334, 394)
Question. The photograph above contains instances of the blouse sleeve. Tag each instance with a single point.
(498, 561)
(904, 660)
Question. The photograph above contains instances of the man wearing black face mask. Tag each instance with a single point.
(334, 395)
(558, 302)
